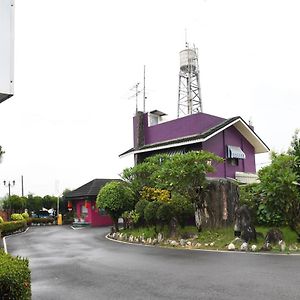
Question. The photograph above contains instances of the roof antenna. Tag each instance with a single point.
(185, 36)
(144, 91)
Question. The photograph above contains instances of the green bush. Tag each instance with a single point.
(140, 208)
(15, 281)
(16, 217)
(10, 227)
(182, 208)
(1, 220)
(150, 212)
(41, 220)
(164, 213)
(25, 215)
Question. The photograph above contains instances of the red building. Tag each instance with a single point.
(82, 202)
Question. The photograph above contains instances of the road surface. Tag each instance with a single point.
(82, 264)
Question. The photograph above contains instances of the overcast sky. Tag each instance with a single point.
(76, 60)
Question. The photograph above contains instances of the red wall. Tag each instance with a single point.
(93, 216)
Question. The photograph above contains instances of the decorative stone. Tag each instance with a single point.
(131, 238)
(254, 248)
(244, 247)
(212, 244)
(149, 241)
(282, 245)
(160, 237)
(182, 242)
(198, 245)
(231, 247)
(154, 242)
(174, 243)
(136, 240)
(189, 243)
(206, 244)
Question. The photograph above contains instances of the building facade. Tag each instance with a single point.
(232, 139)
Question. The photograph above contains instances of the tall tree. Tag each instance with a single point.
(186, 175)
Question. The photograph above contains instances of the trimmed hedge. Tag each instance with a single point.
(40, 220)
(7, 228)
(15, 280)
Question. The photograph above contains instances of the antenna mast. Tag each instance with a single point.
(136, 94)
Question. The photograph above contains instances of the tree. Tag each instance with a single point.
(141, 174)
(279, 203)
(116, 198)
(15, 204)
(186, 175)
(49, 202)
(34, 203)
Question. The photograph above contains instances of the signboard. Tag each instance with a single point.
(6, 49)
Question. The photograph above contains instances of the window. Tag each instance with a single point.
(233, 161)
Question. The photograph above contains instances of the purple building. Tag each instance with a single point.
(232, 139)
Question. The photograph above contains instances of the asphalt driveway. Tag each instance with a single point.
(82, 264)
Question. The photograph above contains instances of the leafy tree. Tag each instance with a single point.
(49, 201)
(154, 194)
(279, 203)
(294, 150)
(141, 174)
(34, 203)
(15, 203)
(116, 198)
(186, 175)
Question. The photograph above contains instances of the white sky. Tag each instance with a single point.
(76, 60)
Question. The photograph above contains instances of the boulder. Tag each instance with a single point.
(244, 247)
(160, 237)
(231, 247)
(182, 242)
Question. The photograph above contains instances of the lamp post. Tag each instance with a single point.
(9, 184)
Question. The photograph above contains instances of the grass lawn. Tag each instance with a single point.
(219, 238)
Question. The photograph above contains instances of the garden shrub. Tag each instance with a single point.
(182, 208)
(10, 227)
(154, 194)
(16, 217)
(15, 281)
(140, 208)
(25, 215)
(1, 220)
(150, 212)
(41, 220)
(164, 213)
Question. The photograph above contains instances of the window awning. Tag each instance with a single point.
(235, 152)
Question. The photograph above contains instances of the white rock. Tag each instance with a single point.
(182, 242)
(173, 243)
(212, 244)
(160, 237)
(253, 248)
(231, 247)
(149, 241)
(198, 245)
(282, 245)
(189, 243)
(244, 247)
(154, 242)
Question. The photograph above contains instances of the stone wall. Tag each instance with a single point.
(222, 199)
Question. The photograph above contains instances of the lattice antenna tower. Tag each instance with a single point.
(189, 92)
(136, 91)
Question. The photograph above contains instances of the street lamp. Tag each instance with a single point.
(9, 184)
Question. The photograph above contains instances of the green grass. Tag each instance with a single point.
(218, 238)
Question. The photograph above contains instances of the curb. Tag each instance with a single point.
(4, 239)
(204, 250)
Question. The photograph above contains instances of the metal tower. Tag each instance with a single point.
(189, 96)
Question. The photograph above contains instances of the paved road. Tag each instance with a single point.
(82, 264)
